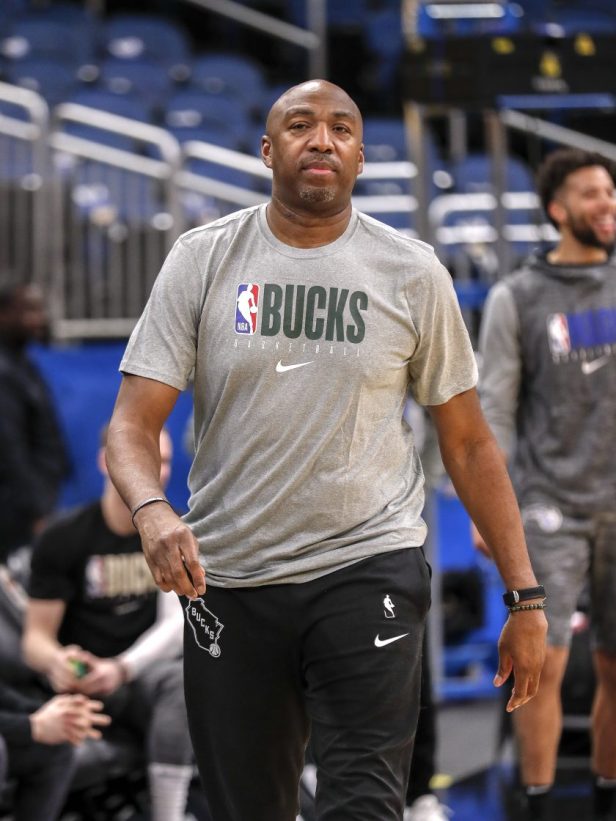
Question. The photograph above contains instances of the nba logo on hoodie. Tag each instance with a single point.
(246, 308)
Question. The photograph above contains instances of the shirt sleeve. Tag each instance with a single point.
(501, 364)
(50, 567)
(14, 715)
(443, 363)
(163, 344)
(162, 641)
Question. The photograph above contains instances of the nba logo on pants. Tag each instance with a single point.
(246, 308)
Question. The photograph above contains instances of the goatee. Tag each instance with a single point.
(317, 194)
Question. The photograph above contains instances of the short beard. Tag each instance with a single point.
(317, 194)
(586, 236)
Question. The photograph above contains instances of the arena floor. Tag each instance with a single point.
(477, 774)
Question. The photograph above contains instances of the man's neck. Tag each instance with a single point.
(115, 513)
(302, 230)
(571, 252)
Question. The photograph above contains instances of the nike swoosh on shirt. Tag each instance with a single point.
(382, 642)
(280, 368)
(595, 364)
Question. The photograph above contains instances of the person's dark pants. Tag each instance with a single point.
(152, 706)
(338, 658)
(423, 762)
(43, 773)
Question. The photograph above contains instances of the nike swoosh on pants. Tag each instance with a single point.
(378, 642)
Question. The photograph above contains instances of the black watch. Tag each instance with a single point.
(513, 597)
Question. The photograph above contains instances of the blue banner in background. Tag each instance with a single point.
(84, 380)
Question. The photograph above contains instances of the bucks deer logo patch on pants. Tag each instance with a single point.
(205, 625)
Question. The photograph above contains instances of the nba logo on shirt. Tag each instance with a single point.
(558, 334)
(246, 308)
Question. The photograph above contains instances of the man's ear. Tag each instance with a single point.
(102, 462)
(557, 212)
(266, 151)
(360, 160)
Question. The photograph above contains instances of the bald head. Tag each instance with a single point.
(313, 146)
(303, 94)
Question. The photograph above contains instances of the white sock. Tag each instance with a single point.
(169, 785)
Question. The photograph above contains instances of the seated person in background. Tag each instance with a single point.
(96, 624)
(34, 456)
(35, 748)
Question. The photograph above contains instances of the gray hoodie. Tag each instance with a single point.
(548, 381)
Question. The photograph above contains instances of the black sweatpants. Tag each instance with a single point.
(338, 658)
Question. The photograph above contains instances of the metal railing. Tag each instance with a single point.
(466, 221)
(24, 203)
(116, 214)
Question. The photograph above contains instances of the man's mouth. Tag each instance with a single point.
(605, 225)
(319, 167)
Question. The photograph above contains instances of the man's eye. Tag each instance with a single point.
(298, 126)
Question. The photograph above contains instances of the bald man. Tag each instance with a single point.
(306, 489)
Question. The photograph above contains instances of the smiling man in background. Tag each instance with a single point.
(548, 344)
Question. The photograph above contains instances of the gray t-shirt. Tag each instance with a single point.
(302, 360)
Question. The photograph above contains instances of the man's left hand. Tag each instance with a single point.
(521, 651)
(104, 678)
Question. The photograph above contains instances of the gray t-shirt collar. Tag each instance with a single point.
(305, 253)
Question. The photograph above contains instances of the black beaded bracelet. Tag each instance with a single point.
(516, 608)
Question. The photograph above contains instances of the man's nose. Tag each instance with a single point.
(320, 139)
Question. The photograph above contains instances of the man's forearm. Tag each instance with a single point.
(481, 480)
(133, 438)
(133, 460)
(40, 650)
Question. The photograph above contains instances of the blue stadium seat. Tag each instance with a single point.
(141, 77)
(9, 10)
(133, 36)
(77, 14)
(474, 174)
(53, 80)
(385, 140)
(38, 37)
(229, 75)
(193, 115)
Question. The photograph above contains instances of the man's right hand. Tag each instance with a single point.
(65, 670)
(171, 551)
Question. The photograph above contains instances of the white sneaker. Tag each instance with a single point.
(427, 808)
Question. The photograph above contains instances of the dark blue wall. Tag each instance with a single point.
(84, 380)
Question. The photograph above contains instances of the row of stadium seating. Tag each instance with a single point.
(86, 47)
